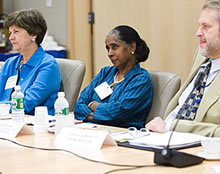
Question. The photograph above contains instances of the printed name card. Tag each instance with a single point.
(10, 129)
(84, 138)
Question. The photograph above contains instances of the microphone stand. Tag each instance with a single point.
(171, 157)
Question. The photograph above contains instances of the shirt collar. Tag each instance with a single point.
(215, 65)
(36, 57)
(132, 71)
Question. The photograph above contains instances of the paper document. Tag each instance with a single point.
(158, 141)
(127, 136)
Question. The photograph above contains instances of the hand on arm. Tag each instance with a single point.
(156, 125)
(89, 118)
(93, 105)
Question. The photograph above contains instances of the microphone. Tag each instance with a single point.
(171, 157)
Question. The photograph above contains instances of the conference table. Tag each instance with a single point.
(15, 158)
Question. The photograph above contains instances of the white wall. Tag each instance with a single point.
(7, 6)
(56, 16)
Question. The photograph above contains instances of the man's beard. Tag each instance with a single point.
(212, 50)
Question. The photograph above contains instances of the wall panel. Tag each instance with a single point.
(79, 46)
(168, 27)
(54, 15)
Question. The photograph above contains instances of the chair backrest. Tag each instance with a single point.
(165, 86)
(72, 74)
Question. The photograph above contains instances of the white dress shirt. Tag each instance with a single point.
(215, 69)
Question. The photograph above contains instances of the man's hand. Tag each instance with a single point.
(156, 125)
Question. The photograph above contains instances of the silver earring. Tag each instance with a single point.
(33, 39)
(132, 52)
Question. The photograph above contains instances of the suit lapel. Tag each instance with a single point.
(174, 101)
(192, 74)
(210, 97)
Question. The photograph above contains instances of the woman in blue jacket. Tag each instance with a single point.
(119, 95)
(33, 69)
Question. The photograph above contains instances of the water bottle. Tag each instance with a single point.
(61, 112)
(17, 99)
(61, 105)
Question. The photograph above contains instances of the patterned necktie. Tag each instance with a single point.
(190, 106)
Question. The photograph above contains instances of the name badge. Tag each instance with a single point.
(103, 90)
(11, 82)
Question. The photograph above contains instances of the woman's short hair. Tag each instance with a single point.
(128, 35)
(29, 19)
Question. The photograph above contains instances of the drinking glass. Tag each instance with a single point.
(41, 119)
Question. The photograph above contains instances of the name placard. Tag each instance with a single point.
(84, 138)
(10, 129)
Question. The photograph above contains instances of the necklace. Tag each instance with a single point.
(115, 82)
(20, 63)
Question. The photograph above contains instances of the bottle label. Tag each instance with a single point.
(18, 103)
(64, 111)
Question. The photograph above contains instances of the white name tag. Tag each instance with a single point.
(83, 138)
(11, 82)
(103, 90)
(10, 129)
